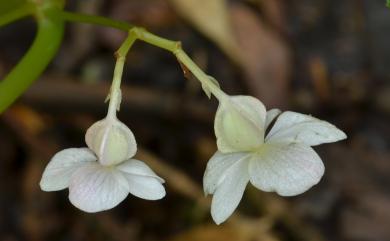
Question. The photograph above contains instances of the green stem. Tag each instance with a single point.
(21, 12)
(148, 37)
(175, 48)
(115, 92)
(34, 62)
(97, 20)
(49, 37)
(199, 74)
(142, 34)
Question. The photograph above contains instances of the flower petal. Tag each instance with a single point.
(142, 181)
(239, 124)
(61, 167)
(139, 168)
(96, 188)
(112, 141)
(217, 168)
(146, 187)
(271, 115)
(294, 127)
(288, 169)
(228, 194)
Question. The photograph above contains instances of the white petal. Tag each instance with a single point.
(96, 188)
(142, 181)
(139, 168)
(146, 187)
(229, 193)
(217, 168)
(112, 141)
(271, 115)
(239, 124)
(289, 169)
(61, 167)
(294, 127)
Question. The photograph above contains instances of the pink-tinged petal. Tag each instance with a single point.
(61, 167)
(288, 169)
(292, 127)
(96, 188)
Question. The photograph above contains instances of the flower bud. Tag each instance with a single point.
(111, 140)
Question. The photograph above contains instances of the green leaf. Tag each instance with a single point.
(7, 6)
(16, 13)
(35, 61)
(388, 3)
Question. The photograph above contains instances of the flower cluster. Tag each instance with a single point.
(270, 149)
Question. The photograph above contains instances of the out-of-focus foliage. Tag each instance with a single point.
(6, 6)
(50, 30)
(212, 18)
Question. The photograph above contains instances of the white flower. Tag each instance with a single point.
(101, 176)
(281, 162)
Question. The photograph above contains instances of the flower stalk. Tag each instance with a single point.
(50, 31)
(95, 20)
(115, 95)
(137, 33)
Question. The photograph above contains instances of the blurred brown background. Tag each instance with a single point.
(323, 57)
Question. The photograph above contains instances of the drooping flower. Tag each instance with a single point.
(281, 161)
(101, 176)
